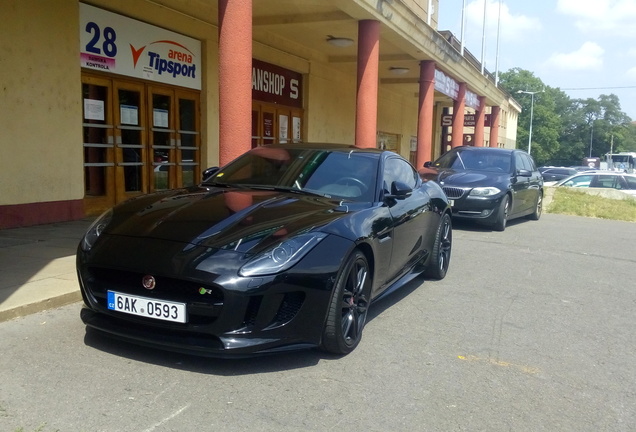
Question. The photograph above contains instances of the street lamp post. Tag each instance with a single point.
(531, 115)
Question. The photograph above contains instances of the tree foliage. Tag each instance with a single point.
(566, 130)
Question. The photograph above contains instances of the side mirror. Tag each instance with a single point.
(524, 173)
(428, 164)
(399, 190)
(209, 172)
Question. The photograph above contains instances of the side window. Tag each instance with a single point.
(399, 170)
(631, 182)
(521, 162)
(530, 162)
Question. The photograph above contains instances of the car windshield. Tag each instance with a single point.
(350, 175)
(474, 161)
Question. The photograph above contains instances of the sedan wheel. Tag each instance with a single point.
(538, 208)
(349, 305)
(440, 258)
(502, 214)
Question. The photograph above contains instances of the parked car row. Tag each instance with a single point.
(601, 179)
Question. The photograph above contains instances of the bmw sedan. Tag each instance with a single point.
(284, 248)
(489, 185)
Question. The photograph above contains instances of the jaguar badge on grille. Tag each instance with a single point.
(148, 282)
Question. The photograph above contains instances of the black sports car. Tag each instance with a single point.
(284, 248)
(489, 185)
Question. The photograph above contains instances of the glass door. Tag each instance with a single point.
(130, 139)
(98, 144)
(162, 140)
(188, 139)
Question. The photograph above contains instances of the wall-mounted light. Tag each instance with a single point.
(398, 70)
(339, 41)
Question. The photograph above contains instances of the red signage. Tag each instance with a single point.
(274, 84)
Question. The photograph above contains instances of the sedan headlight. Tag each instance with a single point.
(282, 256)
(96, 229)
(485, 191)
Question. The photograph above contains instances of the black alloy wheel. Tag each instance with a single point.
(440, 259)
(349, 305)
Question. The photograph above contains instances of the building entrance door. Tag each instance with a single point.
(138, 138)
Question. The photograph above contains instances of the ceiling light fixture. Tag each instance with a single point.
(398, 70)
(339, 41)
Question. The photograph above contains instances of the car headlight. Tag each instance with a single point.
(485, 191)
(282, 256)
(96, 229)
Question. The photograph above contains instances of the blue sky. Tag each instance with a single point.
(568, 44)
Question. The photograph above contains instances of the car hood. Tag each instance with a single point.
(471, 179)
(233, 219)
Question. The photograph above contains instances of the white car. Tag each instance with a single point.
(604, 179)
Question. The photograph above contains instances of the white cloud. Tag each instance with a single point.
(588, 57)
(609, 17)
(631, 73)
(512, 27)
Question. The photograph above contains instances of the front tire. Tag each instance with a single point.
(538, 209)
(441, 255)
(349, 305)
(502, 214)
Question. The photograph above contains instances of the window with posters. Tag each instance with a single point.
(277, 104)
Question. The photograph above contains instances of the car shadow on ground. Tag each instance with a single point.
(467, 225)
(235, 366)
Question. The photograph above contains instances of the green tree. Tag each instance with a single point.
(566, 130)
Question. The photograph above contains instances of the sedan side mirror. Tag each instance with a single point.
(524, 173)
(428, 164)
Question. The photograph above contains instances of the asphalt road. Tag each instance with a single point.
(532, 330)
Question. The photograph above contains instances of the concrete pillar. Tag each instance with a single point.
(494, 126)
(480, 118)
(235, 78)
(458, 117)
(425, 113)
(367, 94)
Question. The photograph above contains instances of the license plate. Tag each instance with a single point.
(147, 307)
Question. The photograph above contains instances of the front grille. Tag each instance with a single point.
(204, 302)
(453, 192)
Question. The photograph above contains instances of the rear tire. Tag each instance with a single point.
(440, 259)
(502, 214)
(349, 305)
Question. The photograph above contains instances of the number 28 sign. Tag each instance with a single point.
(117, 44)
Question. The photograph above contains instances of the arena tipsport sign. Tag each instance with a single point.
(124, 46)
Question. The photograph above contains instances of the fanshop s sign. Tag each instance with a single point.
(116, 44)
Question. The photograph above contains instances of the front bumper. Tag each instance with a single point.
(465, 206)
(235, 317)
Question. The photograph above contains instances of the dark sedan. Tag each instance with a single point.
(284, 248)
(489, 185)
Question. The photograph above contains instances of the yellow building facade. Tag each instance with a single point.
(80, 134)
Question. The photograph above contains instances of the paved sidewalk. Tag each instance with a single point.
(37, 267)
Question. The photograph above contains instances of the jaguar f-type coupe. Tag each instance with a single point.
(284, 248)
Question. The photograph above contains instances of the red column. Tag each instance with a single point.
(457, 138)
(479, 122)
(367, 95)
(425, 113)
(494, 126)
(235, 78)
